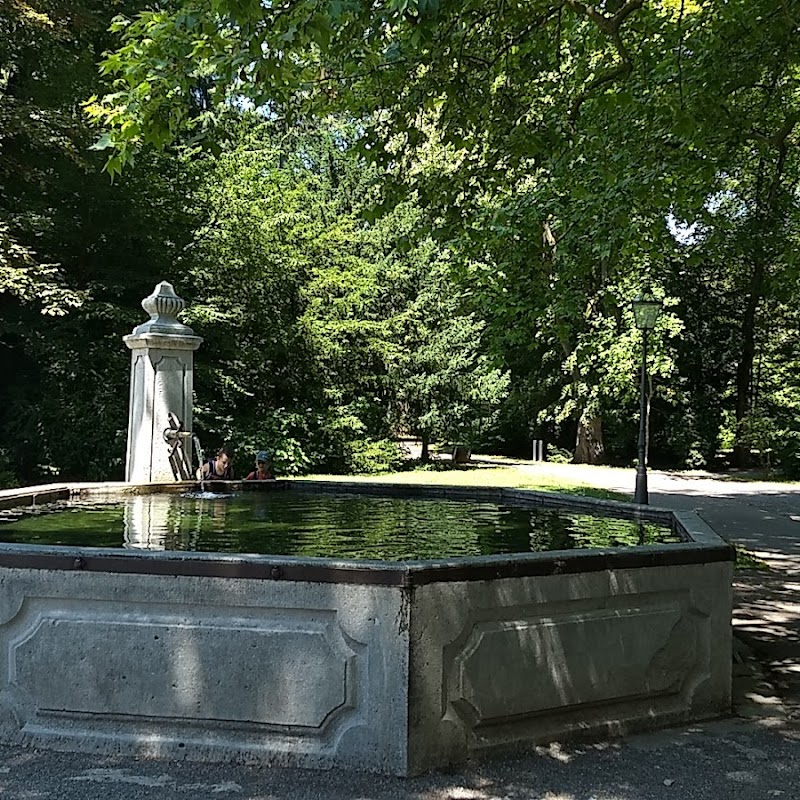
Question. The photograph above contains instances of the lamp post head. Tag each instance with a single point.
(646, 309)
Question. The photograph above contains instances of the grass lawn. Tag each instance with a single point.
(480, 475)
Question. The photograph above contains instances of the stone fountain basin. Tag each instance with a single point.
(391, 667)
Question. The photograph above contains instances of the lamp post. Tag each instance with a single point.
(645, 313)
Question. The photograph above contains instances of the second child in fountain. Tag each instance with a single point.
(219, 468)
(263, 470)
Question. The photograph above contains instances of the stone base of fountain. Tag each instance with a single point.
(390, 667)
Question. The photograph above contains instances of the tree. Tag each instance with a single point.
(315, 320)
(607, 115)
(562, 152)
(76, 254)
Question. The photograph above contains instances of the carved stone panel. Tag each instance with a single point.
(515, 668)
(283, 670)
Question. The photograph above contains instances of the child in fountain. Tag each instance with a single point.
(219, 468)
(263, 470)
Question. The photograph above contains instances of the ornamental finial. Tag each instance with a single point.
(163, 306)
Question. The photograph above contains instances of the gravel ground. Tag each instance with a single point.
(739, 759)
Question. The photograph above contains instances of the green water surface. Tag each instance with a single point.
(296, 523)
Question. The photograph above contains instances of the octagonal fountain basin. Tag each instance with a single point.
(391, 628)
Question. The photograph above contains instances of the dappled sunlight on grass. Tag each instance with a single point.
(747, 559)
(509, 477)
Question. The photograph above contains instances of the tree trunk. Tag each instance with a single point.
(764, 237)
(744, 369)
(426, 443)
(589, 447)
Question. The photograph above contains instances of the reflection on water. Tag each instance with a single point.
(332, 526)
(142, 523)
(207, 495)
(157, 522)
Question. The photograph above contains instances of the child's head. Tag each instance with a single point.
(263, 458)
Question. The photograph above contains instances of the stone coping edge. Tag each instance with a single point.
(701, 544)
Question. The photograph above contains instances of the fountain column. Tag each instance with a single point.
(162, 366)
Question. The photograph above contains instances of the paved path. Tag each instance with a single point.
(755, 755)
(763, 516)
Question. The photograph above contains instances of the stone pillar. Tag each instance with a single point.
(162, 365)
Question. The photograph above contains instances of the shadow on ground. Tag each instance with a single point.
(767, 620)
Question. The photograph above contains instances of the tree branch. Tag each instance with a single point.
(611, 27)
(517, 38)
(680, 50)
(621, 69)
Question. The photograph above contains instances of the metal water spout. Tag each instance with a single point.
(179, 442)
(162, 378)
